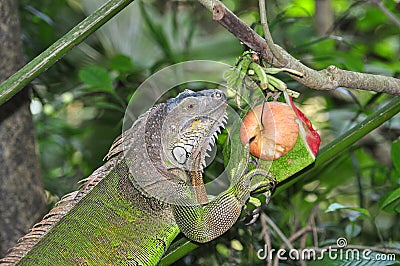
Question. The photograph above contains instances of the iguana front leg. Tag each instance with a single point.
(203, 223)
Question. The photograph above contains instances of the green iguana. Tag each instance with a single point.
(131, 208)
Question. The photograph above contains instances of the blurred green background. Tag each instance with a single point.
(78, 106)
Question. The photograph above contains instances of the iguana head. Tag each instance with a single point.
(170, 142)
(191, 126)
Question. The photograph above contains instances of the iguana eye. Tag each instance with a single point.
(217, 95)
(189, 106)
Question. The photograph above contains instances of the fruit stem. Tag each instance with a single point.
(262, 113)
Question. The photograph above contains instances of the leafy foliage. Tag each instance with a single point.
(79, 103)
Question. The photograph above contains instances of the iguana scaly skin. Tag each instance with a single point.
(131, 208)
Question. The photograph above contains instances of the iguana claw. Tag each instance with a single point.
(254, 215)
(254, 162)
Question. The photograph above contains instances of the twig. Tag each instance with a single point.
(266, 235)
(356, 167)
(313, 226)
(327, 79)
(313, 229)
(243, 32)
(267, 33)
(387, 12)
(278, 231)
(303, 231)
(298, 233)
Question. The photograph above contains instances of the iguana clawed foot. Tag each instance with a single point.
(250, 182)
(253, 215)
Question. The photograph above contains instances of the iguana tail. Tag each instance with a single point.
(27, 242)
(107, 222)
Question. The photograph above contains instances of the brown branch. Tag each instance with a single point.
(278, 231)
(327, 79)
(243, 32)
(266, 235)
(267, 33)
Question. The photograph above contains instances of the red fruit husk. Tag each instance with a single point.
(311, 135)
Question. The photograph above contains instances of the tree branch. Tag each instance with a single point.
(267, 33)
(387, 12)
(327, 79)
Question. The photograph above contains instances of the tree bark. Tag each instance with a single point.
(324, 18)
(22, 200)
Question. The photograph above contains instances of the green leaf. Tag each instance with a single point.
(352, 230)
(391, 203)
(300, 8)
(334, 207)
(97, 78)
(222, 249)
(109, 106)
(337, 206)
(121, 63)
(395, 153)
(236, 245)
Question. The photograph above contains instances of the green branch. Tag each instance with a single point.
(47, 58)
